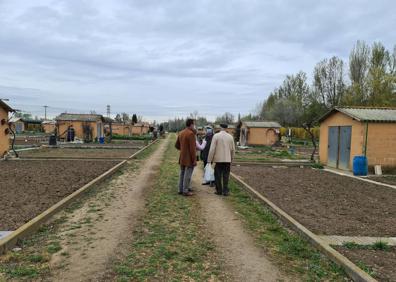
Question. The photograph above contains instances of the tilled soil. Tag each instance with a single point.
(30, 187)
(77, 153)
(388, 179)
(326, 203)
(381, 262)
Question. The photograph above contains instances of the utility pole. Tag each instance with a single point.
(45, 112)
(108, 111)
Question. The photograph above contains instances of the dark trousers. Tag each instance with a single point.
(222, 175)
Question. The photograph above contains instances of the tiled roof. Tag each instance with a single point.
(79, 117)
(371, 114)
(6, 106)
(262, 124)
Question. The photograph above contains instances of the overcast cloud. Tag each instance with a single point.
(162, 59)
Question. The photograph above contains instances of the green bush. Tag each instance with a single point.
(136, 137)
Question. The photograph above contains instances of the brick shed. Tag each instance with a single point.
(346, 132)
(4, 134)
(265, 133)
(140, 128)
(48, 126)
(20, 125)
(230, 129)
(87, 127)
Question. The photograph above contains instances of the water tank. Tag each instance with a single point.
(52, 140)
(360, 166)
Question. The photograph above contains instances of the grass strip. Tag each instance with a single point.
(291, 253)
(170, 243)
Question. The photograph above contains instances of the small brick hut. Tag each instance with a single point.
(4, 128)
(87, 127)
(264, 133)
(346, 132)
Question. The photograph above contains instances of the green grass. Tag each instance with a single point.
(126, 137)
(292, 254)
(378, 246)
(366, 268)
(170, 243)
(317, 166)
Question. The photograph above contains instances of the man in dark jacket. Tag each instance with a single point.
(186, 144)
(205, 151)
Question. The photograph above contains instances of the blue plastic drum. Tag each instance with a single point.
(360, 166)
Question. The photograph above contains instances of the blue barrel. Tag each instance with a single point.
(360, 166)
(101, 140)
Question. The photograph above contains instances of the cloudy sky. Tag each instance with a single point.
(162, 59)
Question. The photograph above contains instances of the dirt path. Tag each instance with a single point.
(244, 260)
(96, 234)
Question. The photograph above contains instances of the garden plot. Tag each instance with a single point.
(379, 262)
(387, 179)
(77, 153)
(30, 187)
(326, 203)
(267, 154)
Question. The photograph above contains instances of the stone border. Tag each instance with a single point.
(288, 164)
(10, 241)
(354, 272)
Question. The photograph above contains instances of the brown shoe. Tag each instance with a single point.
(188, 194)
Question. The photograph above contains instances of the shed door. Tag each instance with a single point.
(18, 127)
(332, 151)
(99, 130)
(345, 147)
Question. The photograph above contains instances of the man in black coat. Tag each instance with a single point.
(205, 151)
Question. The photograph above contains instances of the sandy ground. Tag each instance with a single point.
(244, 260)
(97, 233)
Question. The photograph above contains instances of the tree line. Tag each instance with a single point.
(369, 79)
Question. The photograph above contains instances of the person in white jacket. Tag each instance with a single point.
(222, 152)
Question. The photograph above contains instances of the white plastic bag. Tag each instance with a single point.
(209, 173)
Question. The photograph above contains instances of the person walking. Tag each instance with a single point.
(222, 152)
(205, 151)
(186, 144)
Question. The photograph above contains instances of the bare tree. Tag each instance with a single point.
(329, 81)
(358, 72)
(227, 118)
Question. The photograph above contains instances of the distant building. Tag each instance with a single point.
(4, 128)
(265, 133)
(48, 126)
(20, 125)
(87, 127)
(230, 129)
(346, 132)
(140, 128)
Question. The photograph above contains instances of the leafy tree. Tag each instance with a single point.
(358, 72)
(23, 115)
(134, 119)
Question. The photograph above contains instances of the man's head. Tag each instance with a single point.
(190, 123)
(223, 126)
